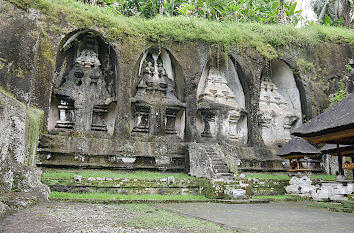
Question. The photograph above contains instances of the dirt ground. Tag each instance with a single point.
(279, 217)
(81, 217)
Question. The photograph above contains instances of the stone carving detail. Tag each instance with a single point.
(234, 117)
(216, 90)
(84, 86)
(216, 94)
(141, 119)
(155, 103)
(98, 122)
(208, 117)
(276, 117)
(171, 114)
(66, 113)
(154, 84)
(300, 185)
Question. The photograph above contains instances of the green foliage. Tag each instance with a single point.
(74, 43)
(324, 177)
(339, 94)
(32, 132)
(152, 218)
(349, 68)
(328, 21)
(265, 11)
(304, 65)
(136, 31)
(9, 94)
(345, 206)
(275, 197)
(266, 176)
(112, 197)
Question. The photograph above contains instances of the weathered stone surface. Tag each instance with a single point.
(26, 56)
(300, 185)
(20, 183)
(3, 210)
(237, 194)
(334, 191)
(208, 161)
(183, 115)
(89, 151)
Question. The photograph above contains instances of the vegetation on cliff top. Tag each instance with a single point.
(137, 30)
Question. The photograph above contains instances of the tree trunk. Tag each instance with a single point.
(282, 13)
(161, 7)
(344, 11)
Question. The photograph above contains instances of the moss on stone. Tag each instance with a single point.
(137, 31)
(8, 94)
(32, 131)
(305, 65)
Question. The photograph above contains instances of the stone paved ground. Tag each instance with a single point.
(66, 217)
(279, 217)
(80, 217)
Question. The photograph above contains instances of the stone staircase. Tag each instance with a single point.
(218, 164)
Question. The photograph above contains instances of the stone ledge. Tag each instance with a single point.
(122, 201)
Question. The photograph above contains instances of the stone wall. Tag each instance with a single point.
(20, 183)
(163, 91)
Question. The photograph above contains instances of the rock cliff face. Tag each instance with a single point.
(20, 180)
(162, 96)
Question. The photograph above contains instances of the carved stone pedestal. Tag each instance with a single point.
(66, 114)
(233, 121)
(141, 119)
(171, 114)
(98, 115)
(208, 116)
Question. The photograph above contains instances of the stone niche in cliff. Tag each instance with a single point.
(157, 105)
(279, 104)
(83, 96)
(221, 102)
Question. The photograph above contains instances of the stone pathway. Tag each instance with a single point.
(279, 217)
(67, 217)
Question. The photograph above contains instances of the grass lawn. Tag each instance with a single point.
(334, 206)
(152, 217)
(324, 177)
(53, 174)
(276, 197)
(266, 176)
(110, 196)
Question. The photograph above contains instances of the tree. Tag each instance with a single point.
(282, 13)
(334, 12)
(264, 11)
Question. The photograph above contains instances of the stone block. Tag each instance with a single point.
(237, 194)
(77, 178)
(171, 180)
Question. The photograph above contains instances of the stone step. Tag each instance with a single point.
(218, 162)
(212, 153)
(217, 159)
(127, 190)
(220, 167)
(222, 170)
(225, 175)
